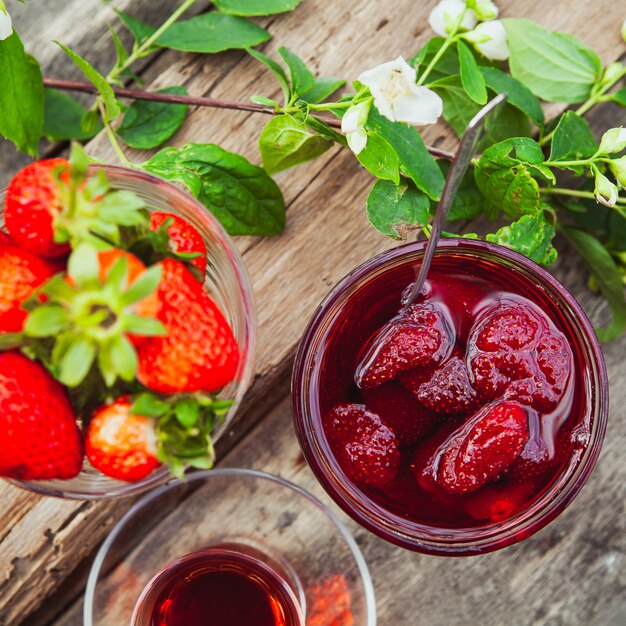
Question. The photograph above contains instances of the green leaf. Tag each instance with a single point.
(471, 78)
(619, 96)
(415, 159)
(187, 412)
(111, 105)
(21, 96)
(302, 80)
(148, 405)
(264, 101)
(144, 285)
(531, 235)
(458, 107)
(212, 32)
(380, 159)
(46, 321)
(285, 142)
(241, 195)
(555, 66)
(322, 89)
(122, 54)
(147, 125)
(144, 326)
(469, 201)
(518, 94)
(275, 68)
(397, 210)
(447, 65)
(83, 266)
(573, 139)
(123, 357)
(77, 361)
(63, 118)
(607, 276)
(138, 29)
(11, 341)
(256, 7)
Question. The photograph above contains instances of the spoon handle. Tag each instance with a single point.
(457, 170)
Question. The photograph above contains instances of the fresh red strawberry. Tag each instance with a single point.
(516, 355)
(421, 337)
(120, 444)
(365, 448)
(183, 237)
(38, 430)
(199, 352)
(20, 274)
(32, 203)
(481, 449)
(447, 391)
(399, 411)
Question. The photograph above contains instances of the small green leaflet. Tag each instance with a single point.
(147, 125)
(285, 142)
(608, 278)
(380, 159)
(212, 32)
(555, 66)
(531, 235)
(138, 29)
(397, 210)
(276, 69)
(255, 7)
(619, 96)
(323, 88)
(241, 195)
(518, 94)
(63, 118)
(471, 78)
(415, 159)
(302, 79)
(573, 139)
(21, 96)
(111, 105)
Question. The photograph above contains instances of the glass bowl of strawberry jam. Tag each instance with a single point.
(225, 280)
(473, 420)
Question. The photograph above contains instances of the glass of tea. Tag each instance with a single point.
(229, 547)
(463, 424)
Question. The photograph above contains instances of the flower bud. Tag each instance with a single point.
(357, 140)
(618, 167)
(6, 26)
(606, 191)
(490, 39)
(355, 117)
(612, 72)
(444, 17)
(485, 10)
(614, 140)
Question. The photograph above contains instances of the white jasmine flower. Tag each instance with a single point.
(352, 125)
(606, 191)
(398, 98)
(485, 9)
(490, 39)
(444, 17)
(6, 26)
(614, 140)
(618, 167)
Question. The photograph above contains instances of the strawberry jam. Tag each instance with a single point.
(464, 409)
(225, 586)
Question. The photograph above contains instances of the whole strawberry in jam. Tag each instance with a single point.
(365, 448)
(481, 449)
(514, 353)
(420, 337)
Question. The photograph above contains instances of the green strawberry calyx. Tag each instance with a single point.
(91, 211)
(88, 320)
(183, 424)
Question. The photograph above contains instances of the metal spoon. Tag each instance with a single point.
(457, 170)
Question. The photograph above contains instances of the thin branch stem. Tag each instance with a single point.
(214, 103)
(576, 193)
(121, 155)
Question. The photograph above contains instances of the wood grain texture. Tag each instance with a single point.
(548, 580)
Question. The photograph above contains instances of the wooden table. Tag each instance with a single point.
(572, 572)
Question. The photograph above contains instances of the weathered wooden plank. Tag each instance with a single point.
(327, 235)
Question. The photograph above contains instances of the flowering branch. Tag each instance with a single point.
(214, 103)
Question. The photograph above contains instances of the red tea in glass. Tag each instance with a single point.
(466, 414)
(223, 586)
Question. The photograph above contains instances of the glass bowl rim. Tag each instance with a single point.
(375, 518)
(228, 472)
(162, 474)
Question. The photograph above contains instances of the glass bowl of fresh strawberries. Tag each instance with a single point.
(127, 330)
(461, 423)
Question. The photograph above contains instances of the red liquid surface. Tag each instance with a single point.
(220, 587)
(466, 290)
